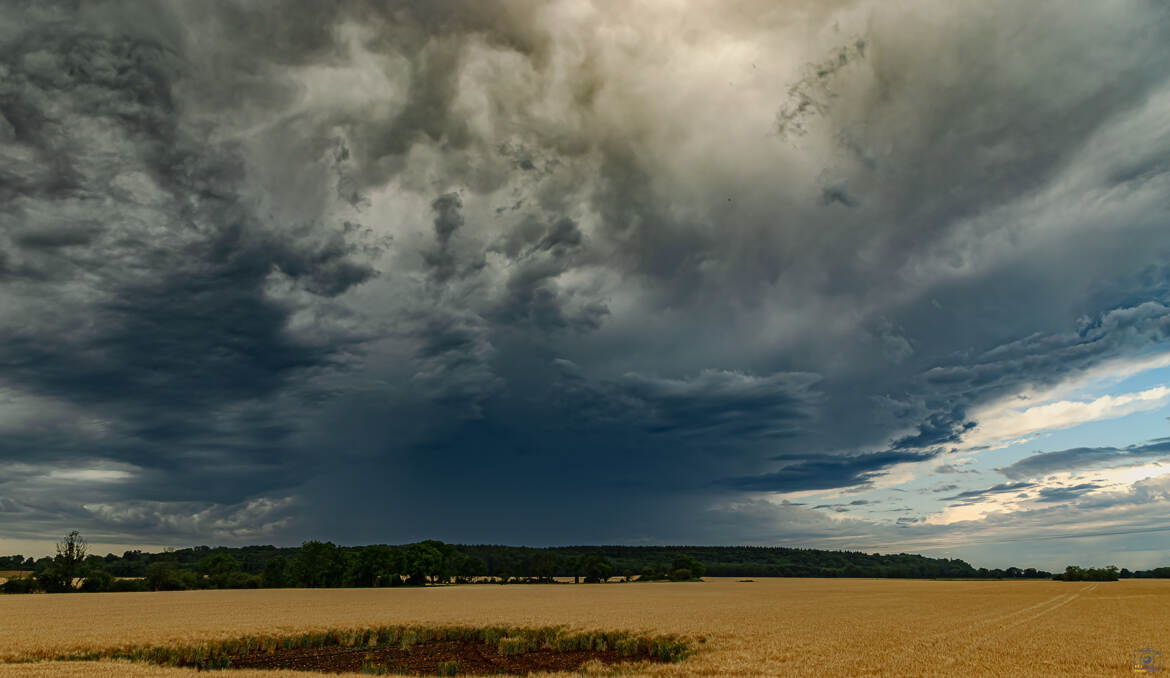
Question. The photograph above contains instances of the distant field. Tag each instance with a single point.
(769, 627)
(5, 575)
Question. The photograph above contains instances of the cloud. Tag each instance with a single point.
(251, 520)
(1062, 494)
(1046, 463)
(828, 473)
(1004, 423)
(952, 468)
(974, 495)
(546, 266)
(731, 404)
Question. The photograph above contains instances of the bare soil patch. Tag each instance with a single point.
(464, 657)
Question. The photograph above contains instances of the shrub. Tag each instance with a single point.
(19, 585)
(681, 574)
(53, 580)
(241, 580)
(127, 585)
(97, 581)
(165, 576)
(685, 562)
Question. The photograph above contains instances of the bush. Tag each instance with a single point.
(19, 585)
(97, 581)
(241, 580)
(127, 585)
(166, 576)
(220, 570)
(53, 580)
(685, 562)
(681, 574)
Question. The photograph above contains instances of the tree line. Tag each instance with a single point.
(1078, 573)
(315, 564)
(323, 564)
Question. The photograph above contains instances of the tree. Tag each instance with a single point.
(684, 562)
(318, 565)
(576, 565)
(70, 558)
(374, 566)
(543, 565)
(597, 568)
(470, 567)
(218, 569)
(97, 581)
(423, 560)
(164, 576)
(275, 574)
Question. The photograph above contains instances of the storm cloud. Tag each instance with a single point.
(558, 271)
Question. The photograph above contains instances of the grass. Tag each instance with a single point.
(775, 627)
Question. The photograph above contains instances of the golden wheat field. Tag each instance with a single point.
(769, 627)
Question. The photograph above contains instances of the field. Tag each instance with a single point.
(769, 627)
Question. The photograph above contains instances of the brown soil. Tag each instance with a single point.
(473, 657)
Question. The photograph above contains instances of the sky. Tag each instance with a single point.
(879, 276)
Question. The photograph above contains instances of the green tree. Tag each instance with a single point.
(467, 568)
(70, 559)
(684, 562)
(597, 568)
(275, 575)
(218, 569)
(97, 581)
(576, 565)
(164, 575)
(318, 565)
(373, 566)
(543, 565)
(423, 560)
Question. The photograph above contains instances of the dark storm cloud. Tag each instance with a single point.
(448, 219)
(532, 297)
(938, 429)
(546, 259)
(1075, 458)
(138, 274)
(828, 472)
(719, 407)
(727, 404)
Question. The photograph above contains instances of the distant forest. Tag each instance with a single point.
(323, 564)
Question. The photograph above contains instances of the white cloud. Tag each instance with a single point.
(93, 475)
(250, 519)
(1005, 422)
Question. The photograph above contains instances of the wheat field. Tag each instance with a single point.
(769, 627)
